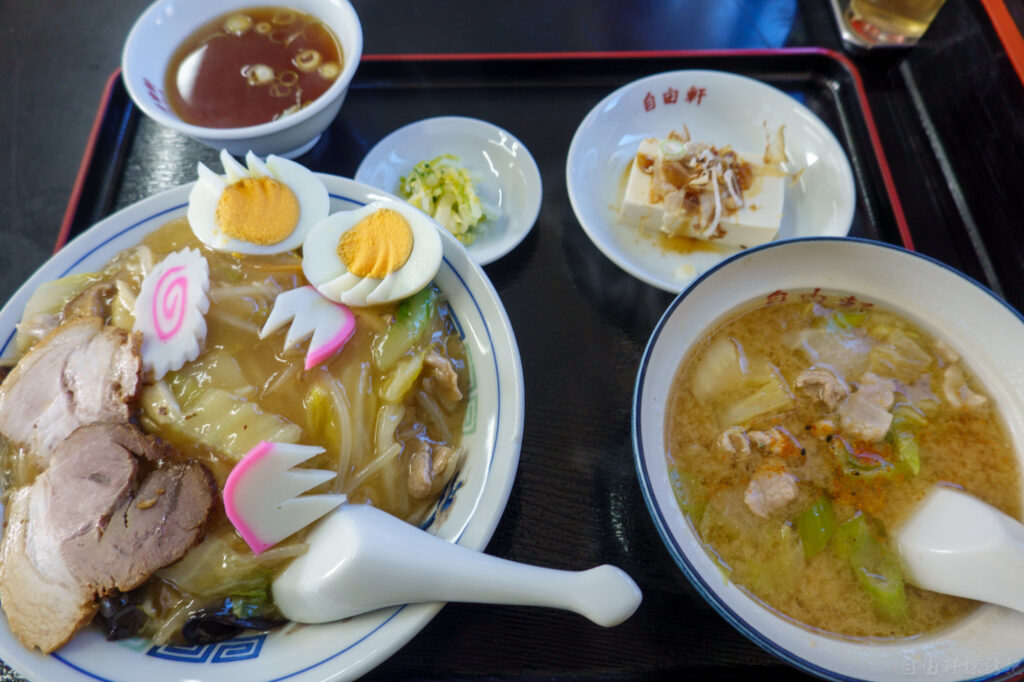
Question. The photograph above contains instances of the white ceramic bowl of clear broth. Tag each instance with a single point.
(165, 24)
(988, 334)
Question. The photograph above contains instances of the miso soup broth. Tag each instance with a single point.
(802, 429)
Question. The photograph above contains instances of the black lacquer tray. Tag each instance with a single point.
(581, 325)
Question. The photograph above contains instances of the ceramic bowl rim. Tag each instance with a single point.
(678, 554)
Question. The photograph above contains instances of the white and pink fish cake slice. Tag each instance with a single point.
(331, 324)
(169, 311)
(262, 493)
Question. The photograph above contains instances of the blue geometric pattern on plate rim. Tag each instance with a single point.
(228, 651)
(494, 445)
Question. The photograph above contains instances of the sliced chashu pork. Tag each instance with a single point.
(85, 528)
(81, 373)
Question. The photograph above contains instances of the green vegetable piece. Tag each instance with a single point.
(50, 298)
(400, 381)
(321, 424)
(848, 534)
(842, 320)
(898, 355)
(863, 463)
(690, 494)
(412, 321)
(216, 569)
(875, 567)
(769, 395)
(902, 437)
(908, 454)
(255, 603)
(879, 575)
(215, 369)
(816, 525)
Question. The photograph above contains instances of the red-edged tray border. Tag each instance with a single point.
(876, 144)
(1009, 34)
(83, 167)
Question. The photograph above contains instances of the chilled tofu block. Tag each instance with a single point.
(755, 223)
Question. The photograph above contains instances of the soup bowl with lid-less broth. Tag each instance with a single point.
(160, 32)
(848, 288)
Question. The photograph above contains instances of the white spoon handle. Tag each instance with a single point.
(957, 544)
(390, 562)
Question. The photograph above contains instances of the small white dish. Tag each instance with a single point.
(989, 642)
(721, 109)
(492, 435)
(165, 24)
(507, 176)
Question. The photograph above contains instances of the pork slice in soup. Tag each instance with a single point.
(800, 432)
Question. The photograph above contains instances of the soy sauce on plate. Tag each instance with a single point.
(252, 66)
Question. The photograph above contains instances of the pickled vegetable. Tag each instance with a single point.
(444, 190)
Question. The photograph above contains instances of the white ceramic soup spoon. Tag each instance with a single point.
(956, 544)
(361, 559)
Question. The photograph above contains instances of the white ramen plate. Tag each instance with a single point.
(718, 108)
(492, 434)
(940, 300)
(506, 174)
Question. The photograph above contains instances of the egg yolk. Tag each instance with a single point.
(377, 245)
(258, 210)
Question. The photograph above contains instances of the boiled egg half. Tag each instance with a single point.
(379, 253)
(265, 208)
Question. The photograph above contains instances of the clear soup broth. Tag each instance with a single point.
(252, 66)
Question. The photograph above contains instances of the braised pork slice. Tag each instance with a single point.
(42, 610)
(87, 527)
(162, 521)
(80, 373)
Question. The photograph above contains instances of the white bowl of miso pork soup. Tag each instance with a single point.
(792, 407)
(243, 75)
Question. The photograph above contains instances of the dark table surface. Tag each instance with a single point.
(576, 501)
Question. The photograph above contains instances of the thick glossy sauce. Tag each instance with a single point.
(243, 389)
(252, 66)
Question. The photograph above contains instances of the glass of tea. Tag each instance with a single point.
(891, 22)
